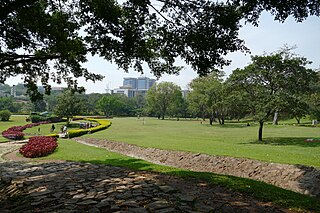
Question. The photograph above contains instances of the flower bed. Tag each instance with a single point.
(39, 146)
(16, 132)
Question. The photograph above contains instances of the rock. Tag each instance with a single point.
(167, 189)
(87, 202)
(160, 204)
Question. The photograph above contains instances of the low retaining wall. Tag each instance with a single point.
(298, 178)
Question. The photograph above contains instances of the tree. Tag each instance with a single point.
(90, 103)
(178, 108)
(299, 9)
(39, 106)
(270, 81)
(297, 107)
(69, 105)
(35, 34)
(208, 94)
(313, 100)
(109, 104)
(6, 103)
(163, 96)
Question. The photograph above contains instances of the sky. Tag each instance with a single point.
(267, 38)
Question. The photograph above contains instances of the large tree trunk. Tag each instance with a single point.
(211, 118)
(222, 120)
(298, 120)
(275, 118)
(260, 130)
(162, 117)
(219, 120)
(203, 116)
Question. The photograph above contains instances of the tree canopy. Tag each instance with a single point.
(207, 97)
(273, 82)
(42, 40)
(69, 105)
(164, 98)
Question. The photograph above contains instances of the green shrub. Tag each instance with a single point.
(5, 115)
(77, 132)
(103, 125)
(54, 135)
(37, 118)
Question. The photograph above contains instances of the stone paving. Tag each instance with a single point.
(84, 187)
(9, 147)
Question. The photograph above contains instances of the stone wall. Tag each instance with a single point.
(301, 179)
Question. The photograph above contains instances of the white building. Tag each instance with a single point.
(134, 86)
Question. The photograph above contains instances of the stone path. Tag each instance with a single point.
(9, 147)
(80, 187)
(298, 178)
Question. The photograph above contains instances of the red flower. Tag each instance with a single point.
(39, 146)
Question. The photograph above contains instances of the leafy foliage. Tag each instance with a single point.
(109, 104)
(69, 105)
(5, 115)
(38, 33)
(39, 146)
(271, 82)
(163, 96)
(207, 97)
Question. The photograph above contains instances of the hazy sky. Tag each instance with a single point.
(268, 37)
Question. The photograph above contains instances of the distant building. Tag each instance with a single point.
(185, 93)
(134, 86)
(13, 91)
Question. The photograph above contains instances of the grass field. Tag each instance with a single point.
(15, 120)
(282, 143)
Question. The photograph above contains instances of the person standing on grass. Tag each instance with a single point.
(64, 129)
(52, 128)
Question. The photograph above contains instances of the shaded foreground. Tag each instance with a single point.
(85, 187)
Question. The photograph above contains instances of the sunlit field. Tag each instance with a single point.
(282, 143)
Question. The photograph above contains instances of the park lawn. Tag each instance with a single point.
(282, 143)
(72, 151)
(15, 120)
(45, 129)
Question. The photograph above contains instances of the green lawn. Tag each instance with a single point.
(73, 151)
(15, 120)
(282, 143)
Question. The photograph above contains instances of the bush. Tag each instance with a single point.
(77, 133)
(55, 119)
(14, 135)
(5, 115)
(39, 146)
(37, 118)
